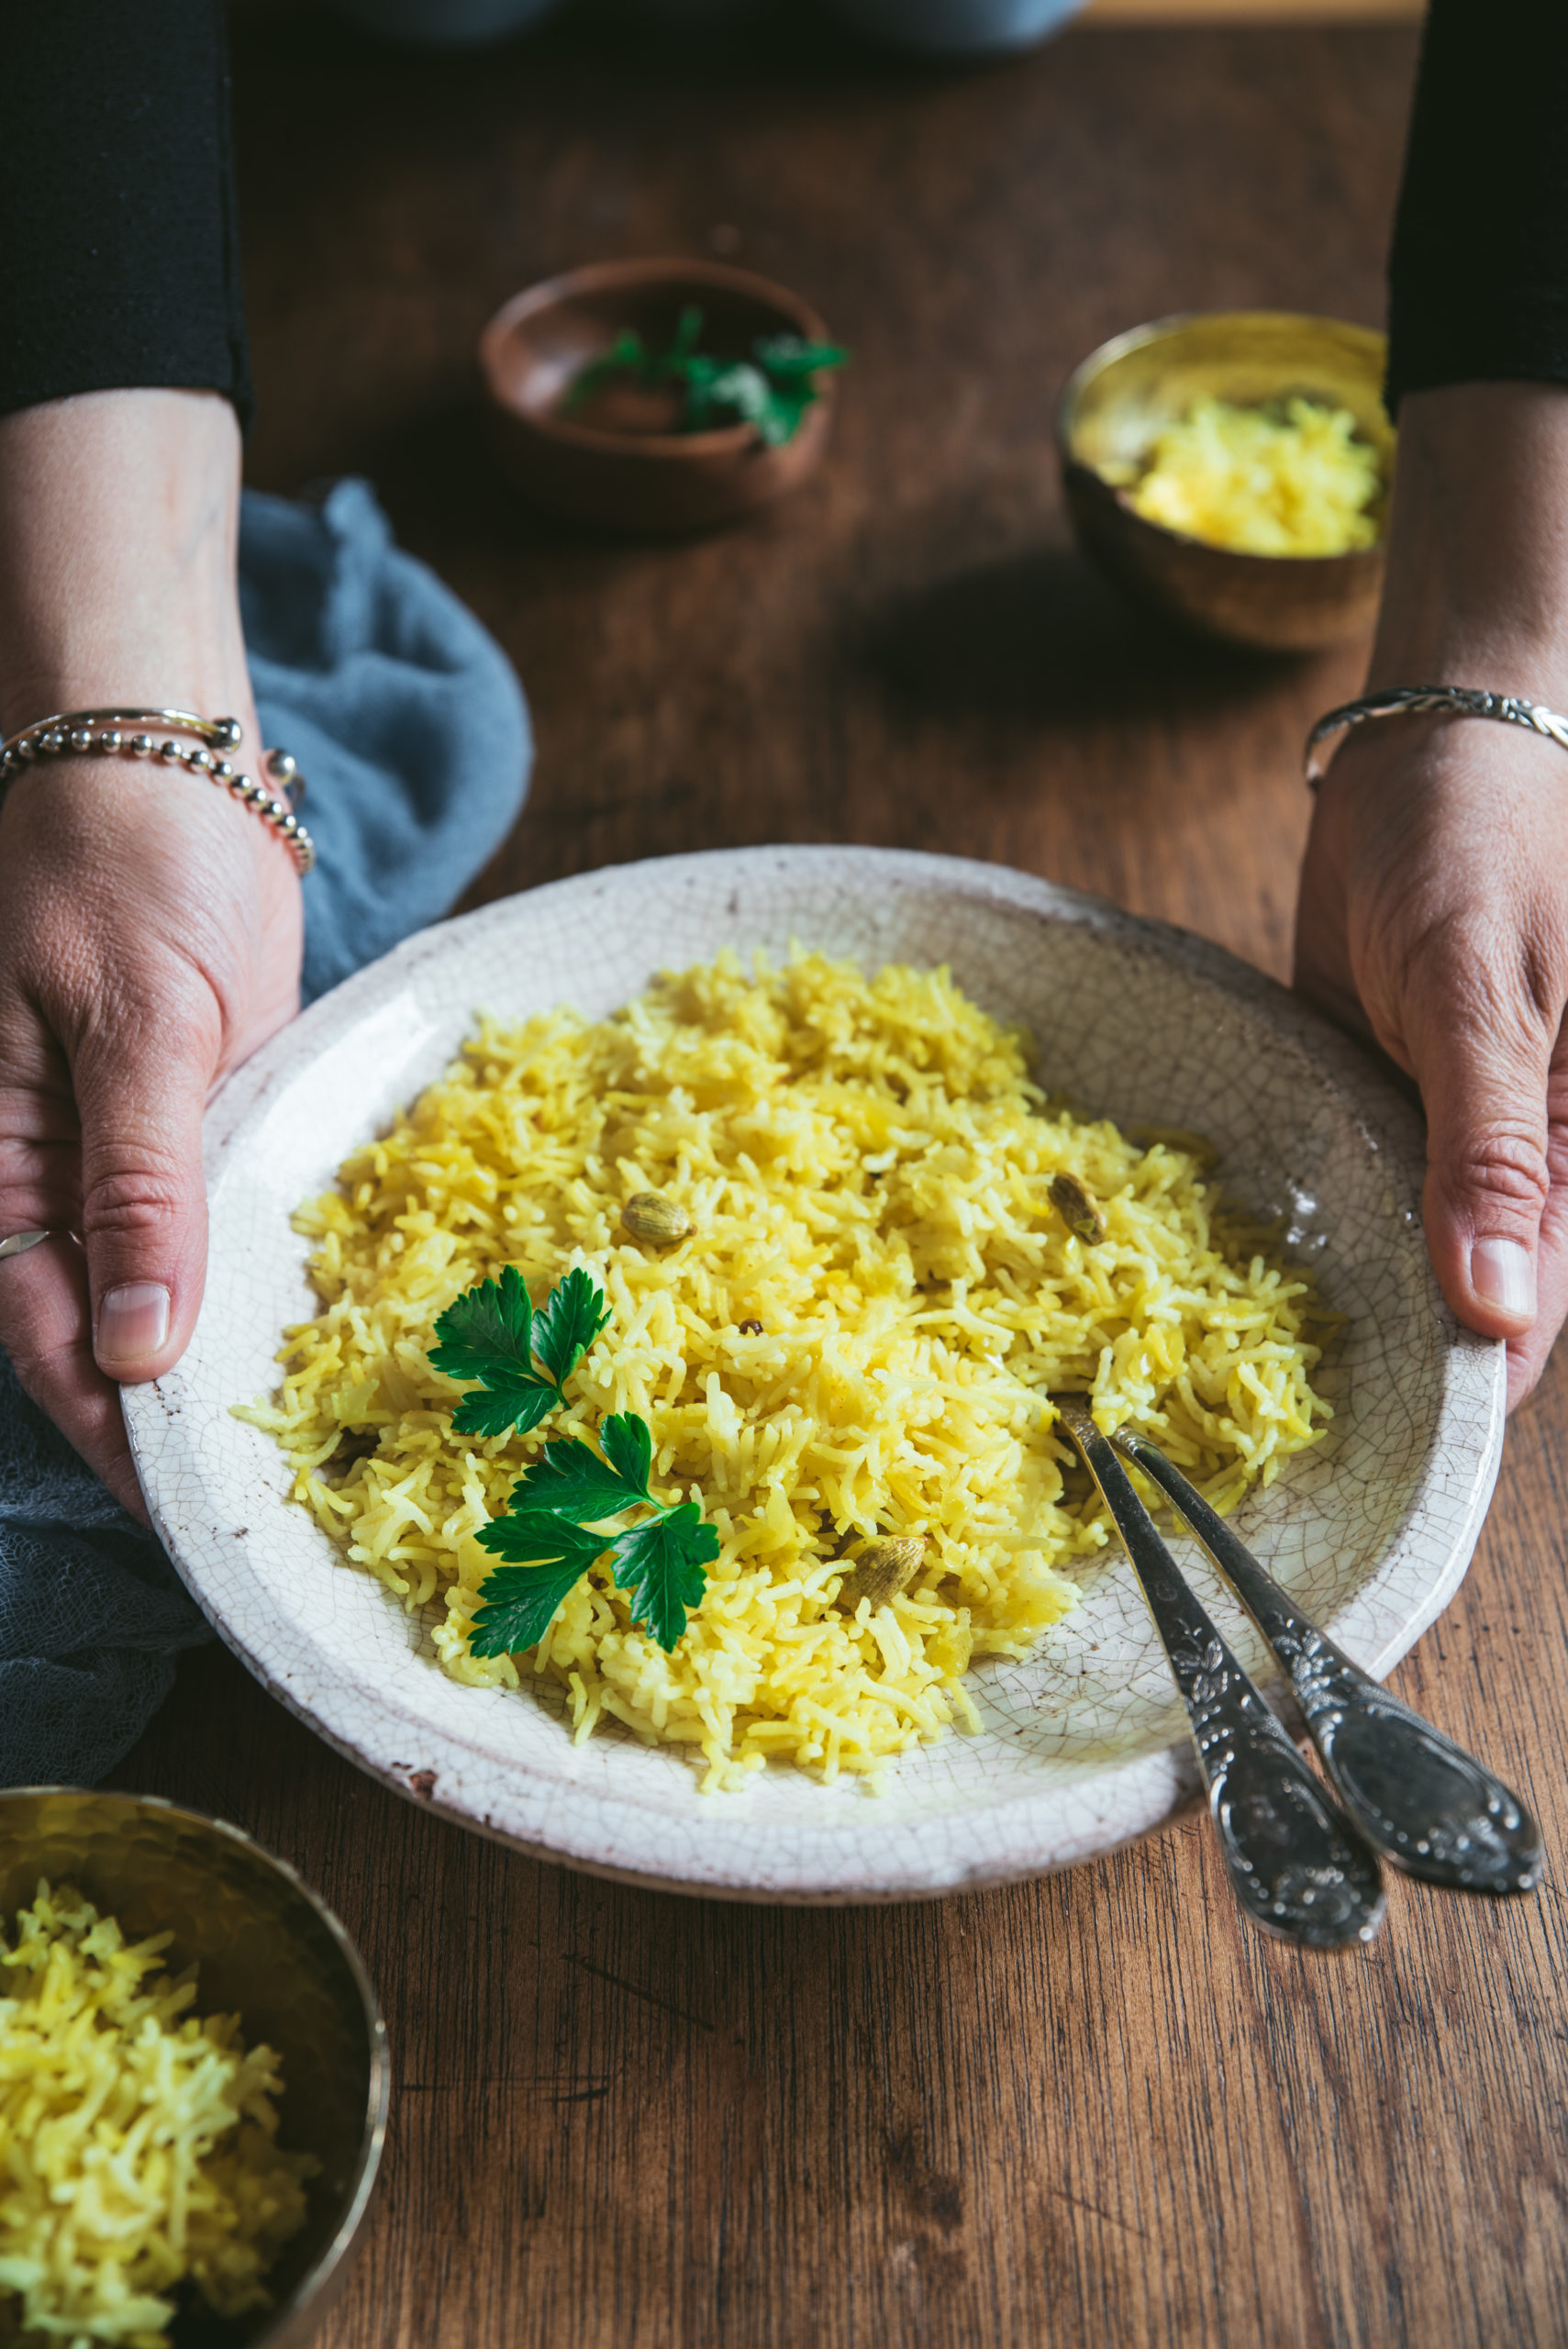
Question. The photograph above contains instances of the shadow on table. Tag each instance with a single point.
(436, 473)
(1043, 636)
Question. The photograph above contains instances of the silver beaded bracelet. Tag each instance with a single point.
(97, 732)
(1457, 701)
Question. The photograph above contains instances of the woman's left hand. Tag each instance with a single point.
(1434, 917)
(1433, 913)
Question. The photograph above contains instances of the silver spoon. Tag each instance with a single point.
(1430, 1807)
(1299, 1866)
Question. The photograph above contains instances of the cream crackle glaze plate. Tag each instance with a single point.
(1084, 1747)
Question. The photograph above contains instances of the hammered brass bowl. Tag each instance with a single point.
(269, 1951)
(1132, 386)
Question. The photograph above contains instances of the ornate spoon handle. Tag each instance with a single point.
(1428, 1805)
(1299, 1865)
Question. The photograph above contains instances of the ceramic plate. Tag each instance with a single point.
(1084, 1747)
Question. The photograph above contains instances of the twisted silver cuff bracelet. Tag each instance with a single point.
(1457, 701)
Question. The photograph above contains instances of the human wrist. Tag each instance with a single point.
(74, 812)
(46, 805)
(1477, 579)
(118, 526)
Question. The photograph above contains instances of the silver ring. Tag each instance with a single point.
(20, 1242)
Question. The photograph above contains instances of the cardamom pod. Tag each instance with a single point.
(882, 1570)
(1076, 1208)
(657, 1222)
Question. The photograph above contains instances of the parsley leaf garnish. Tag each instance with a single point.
(771, 389)
(628, 1444)
(575, 1482)
(551, 1532)
(549, 1541)
(536, 1538)
(661, 1562)
(546, 1557)
(628, 355)
(493, 1333)
(688, 334)
(567, 1322)
(789, 357)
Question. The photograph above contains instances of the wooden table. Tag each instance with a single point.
(1094, 2109)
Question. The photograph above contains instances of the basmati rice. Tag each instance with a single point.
(136, 2141)
(866, 1163)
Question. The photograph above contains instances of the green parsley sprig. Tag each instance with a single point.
(553, 1530)
(771, 389)
(551, 1534)
(493, 1333)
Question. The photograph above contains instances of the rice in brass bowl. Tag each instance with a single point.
(268, 1950)
(1133, 387)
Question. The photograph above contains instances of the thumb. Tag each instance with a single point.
(1483, 1083)
(141, 1097)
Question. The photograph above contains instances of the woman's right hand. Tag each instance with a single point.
(150, 939)
(149, 925)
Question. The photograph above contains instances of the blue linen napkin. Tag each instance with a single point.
(413, 734)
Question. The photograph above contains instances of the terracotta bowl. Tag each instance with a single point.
(644, 474)
(1129, 388)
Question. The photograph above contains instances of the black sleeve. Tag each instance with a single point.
(1478, 281)
(119, 254)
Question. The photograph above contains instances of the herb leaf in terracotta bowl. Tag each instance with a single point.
(696, 390)
(658, 396)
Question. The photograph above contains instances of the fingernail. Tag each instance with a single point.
(133, 1322)
(1502, 1274)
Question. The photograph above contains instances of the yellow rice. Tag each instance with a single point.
(1288, 479)
(867, 1167)
(136, 2141)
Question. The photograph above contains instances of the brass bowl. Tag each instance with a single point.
(1132, 386)
(268, 1950)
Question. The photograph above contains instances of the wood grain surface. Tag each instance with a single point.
(1090, 2111)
